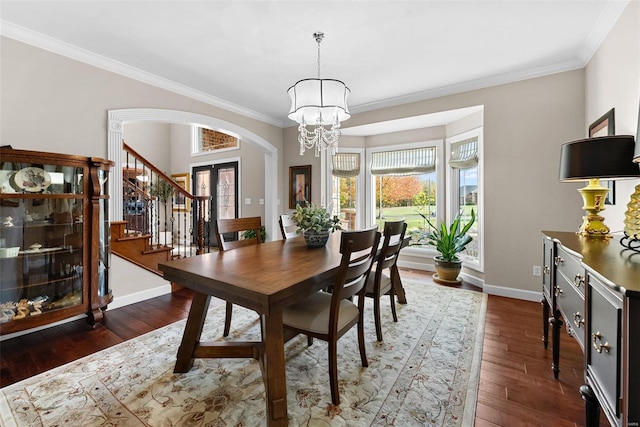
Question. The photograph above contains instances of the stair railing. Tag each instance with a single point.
(155, 205)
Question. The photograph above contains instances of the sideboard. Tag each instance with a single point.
(593, 287)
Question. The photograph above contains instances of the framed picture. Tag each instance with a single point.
(299, 185)
(180, 202)
(605, 126)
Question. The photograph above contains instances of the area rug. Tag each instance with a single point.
(425, 373)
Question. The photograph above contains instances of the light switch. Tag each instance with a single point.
(261, 201)
(247, 201)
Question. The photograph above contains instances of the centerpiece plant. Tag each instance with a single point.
(314, 223)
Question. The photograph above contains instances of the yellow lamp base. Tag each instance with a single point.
(593, 196)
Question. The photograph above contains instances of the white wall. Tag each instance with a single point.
(613, 81)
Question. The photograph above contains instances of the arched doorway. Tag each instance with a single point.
(118, 118)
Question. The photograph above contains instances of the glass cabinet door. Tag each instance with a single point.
(42, 254)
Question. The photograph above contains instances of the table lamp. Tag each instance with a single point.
(592, 159)
(631, 239)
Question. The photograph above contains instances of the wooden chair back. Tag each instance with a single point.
(358, 249)
(238, 226)
(287, 227)
(393, 237)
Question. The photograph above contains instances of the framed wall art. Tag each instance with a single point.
(605, 126)
(299, 185)
(180, 202)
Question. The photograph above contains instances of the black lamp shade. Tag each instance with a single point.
(607, 157)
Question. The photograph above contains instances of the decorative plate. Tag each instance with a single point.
(32, 179)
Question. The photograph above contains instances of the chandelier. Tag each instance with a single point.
(320, 104)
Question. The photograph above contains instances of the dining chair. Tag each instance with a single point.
(287, 227)
(328, 316)
(229, 237)
(380, 282)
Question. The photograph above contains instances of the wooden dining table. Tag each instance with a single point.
(266, 278)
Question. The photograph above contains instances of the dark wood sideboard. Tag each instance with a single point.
(592, 286)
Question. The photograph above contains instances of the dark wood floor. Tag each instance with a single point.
(517, 387)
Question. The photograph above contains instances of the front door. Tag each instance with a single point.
(219, 182)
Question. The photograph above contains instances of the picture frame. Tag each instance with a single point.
(299, 185)
(180, 202)
(605, 126)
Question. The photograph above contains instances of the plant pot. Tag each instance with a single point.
(447, 271)
(316, 239)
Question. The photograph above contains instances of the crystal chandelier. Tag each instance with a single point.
(321, 103)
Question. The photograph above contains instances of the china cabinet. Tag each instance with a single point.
(54, 238)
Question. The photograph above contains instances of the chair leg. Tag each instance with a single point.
(361, 346)
(227, 319)
(393, 305)
(376, 316)
(333, 372)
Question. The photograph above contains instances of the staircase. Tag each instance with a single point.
(145, 237)
(138, 248)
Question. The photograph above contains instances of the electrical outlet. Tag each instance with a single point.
(247, 201)
(537, 270)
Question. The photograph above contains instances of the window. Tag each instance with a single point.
(206, 140)
(405, 185)
(465, 188)
(346, 189)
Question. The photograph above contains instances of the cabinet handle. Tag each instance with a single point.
(558, 291)
(546, 269)
(559, 261)
(578, 320)
(597, 338)
(578, 280)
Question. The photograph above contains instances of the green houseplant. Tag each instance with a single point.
(315, 224)
(449, 241)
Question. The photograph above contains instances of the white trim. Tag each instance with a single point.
(522, 294)
(118, 118)
(139, 296)
(40, 328)
(16, 32)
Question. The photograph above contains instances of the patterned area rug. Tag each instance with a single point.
(425, 373)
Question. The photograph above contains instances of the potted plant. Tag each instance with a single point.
(315, 224)
(449, 241)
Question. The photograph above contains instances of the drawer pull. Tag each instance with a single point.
(546, 269)
(559, 261)
(578, 280)
(597, 338)
(578, 320)
(558, 291)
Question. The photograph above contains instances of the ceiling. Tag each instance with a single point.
(244, 55)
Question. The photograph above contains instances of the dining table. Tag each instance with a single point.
(266, 278)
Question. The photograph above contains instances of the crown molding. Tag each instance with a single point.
(606, 21)
(483, 83)
(59, 47)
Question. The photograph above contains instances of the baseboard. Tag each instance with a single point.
(140, 296)
(522, 294)
(40, 328)
(487, 289)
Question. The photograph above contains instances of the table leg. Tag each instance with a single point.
(273, 369)
(397, 284)
(556, 323)
(192, 331)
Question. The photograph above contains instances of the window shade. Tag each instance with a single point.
(414, 161)
(464, 154)
(346, 165)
